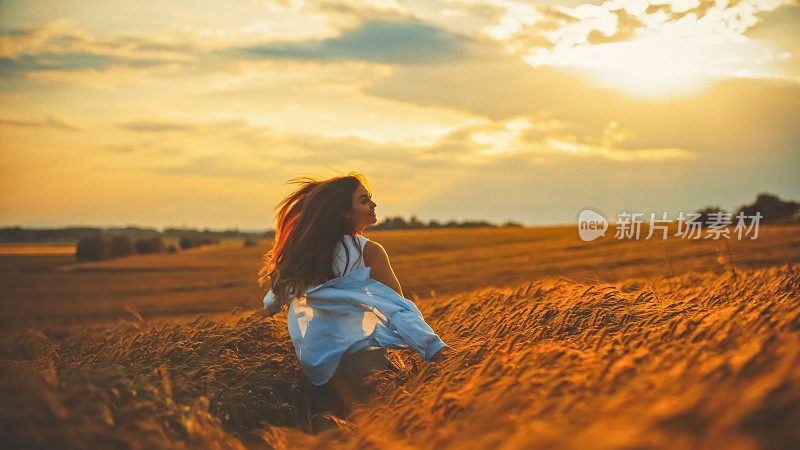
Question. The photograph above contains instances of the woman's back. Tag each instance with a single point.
(349, 257)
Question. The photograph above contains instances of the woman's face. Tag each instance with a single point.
(362, 211)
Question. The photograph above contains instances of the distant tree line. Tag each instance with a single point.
(74, 234)
(189, 241)
(769, 206)
(398, 223)
(105, 245)
(101, 243)
(101, 246)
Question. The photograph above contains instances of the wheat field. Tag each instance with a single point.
(705, 353)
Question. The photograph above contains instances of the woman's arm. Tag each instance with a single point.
(377, 260)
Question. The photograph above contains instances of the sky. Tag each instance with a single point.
(197, 113)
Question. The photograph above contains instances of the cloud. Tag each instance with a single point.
(219, 166)
(152, 126)
(497, 87)
(59, 52)
(60, 45)
(54, 61)
(319, 30)
(569, 144)
(625, 28)
(539, 30)
(603, 38)
(22, 123)
(540, 139)
(51, 121)
(265, 143)
(380, 32)
(475, 144)
(381, 42)
(723, 119)
(232, 132)
(119, 148)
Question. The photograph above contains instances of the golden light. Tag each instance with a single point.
(657, 66)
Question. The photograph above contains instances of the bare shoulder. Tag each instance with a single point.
(374, 253)
(376, 258)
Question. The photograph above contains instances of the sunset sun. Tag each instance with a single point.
(654, 67)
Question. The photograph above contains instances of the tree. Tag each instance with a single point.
(512, 224)
(415, 223)
(708, 212)
(150, 245)
(92, 248)
(119, 245)
(770, 207)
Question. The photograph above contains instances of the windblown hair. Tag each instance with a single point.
(309, 223)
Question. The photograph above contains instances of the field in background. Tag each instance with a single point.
(37, 248)
(41, 290)
(559, 343)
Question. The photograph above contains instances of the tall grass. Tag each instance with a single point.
(698, 360)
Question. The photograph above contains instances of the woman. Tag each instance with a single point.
(353, 308)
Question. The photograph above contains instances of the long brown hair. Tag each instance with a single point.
(309, 223)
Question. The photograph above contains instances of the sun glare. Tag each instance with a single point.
(659, 68)
(651, 80)
(652, 67)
